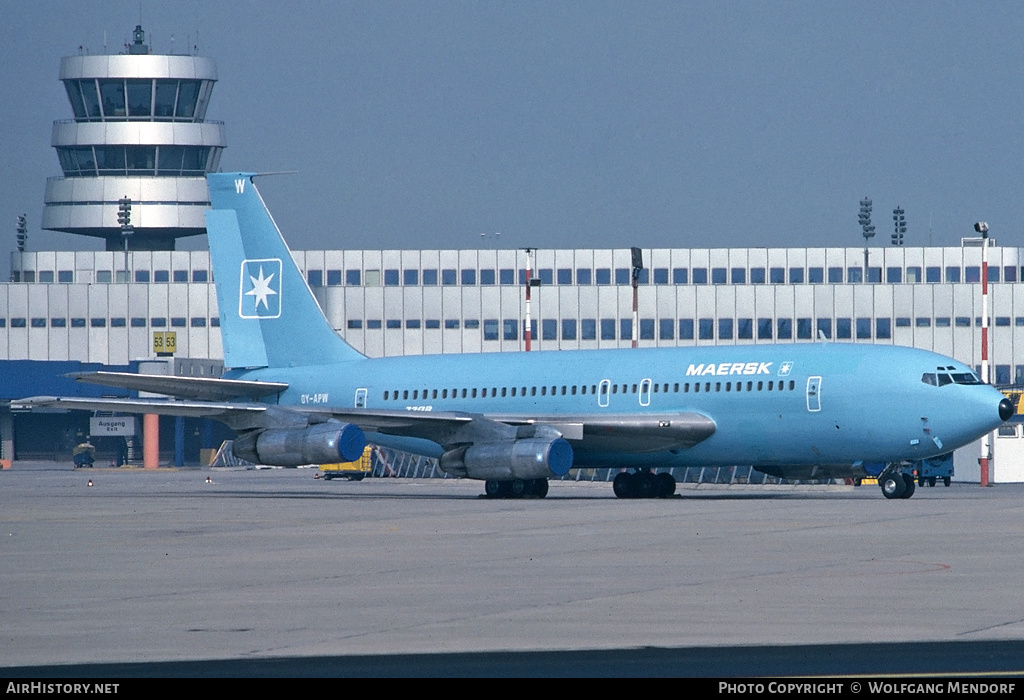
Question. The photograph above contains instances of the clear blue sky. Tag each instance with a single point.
(570, 124)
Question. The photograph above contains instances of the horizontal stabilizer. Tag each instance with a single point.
(202, 388)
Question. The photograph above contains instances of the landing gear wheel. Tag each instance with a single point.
(645, 485)
(539, 488)
(908, 484)
(517, 488)
(931, 481)
(492, 488)
(892, 484)
(920, 481)
(666, 485)
(623, 485)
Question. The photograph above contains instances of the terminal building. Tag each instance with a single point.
(71, 311)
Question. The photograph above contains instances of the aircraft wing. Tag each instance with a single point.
(590, 432)
(203, 388)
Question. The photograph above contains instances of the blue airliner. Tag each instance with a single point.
(297, 393)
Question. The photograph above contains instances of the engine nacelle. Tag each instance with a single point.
(535, 458)
(323, 443)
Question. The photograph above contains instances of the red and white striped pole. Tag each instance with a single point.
(529, 325)
(986, 441)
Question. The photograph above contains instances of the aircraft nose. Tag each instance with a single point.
(1006, 409)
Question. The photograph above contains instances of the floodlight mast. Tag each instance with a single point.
(638, 265)
(867, 230)
(986, 440)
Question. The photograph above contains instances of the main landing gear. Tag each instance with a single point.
(517, 488)
(896, 484)
(644, 484)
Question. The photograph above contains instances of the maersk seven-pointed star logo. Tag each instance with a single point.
(259, 294)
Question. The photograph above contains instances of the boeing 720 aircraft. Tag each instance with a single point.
(297, 393)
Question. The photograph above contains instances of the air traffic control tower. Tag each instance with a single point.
(139, 132)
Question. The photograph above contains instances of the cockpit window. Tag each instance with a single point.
(943, 378)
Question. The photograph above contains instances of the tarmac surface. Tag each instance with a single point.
(271, 572)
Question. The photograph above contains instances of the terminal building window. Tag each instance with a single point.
(564, 275)
(815, 275)
(745, 328)
(647, 329)
(1010, 273)
(449, 277)
(700, 275)
(410, 278)
(490, 329)
(764, 329)
(933, 275)
(844, 329)
(796, 275)
(63, 322)
(546, 276)
(487, 276)
(549, 329)
(803, 329)
(942, 321)
(506, 276)
(777, 275)
(569, 328)
(430, 277)
(588, 329)
(686, 329)
(510, 329)
(913, 275)
(603, 275)
(904, 322)
(824, 329)
(893, 275)
(725, 326)
(718, 275)
(583, 276)
(607, 329)
(863, 328)
(972, 274)
(952, 275)
(784, 328)
(315, 278)
(334, 278)
(353, 278)
(738, 275)
(706, 329)
(835, 275)
(391, 278)
(854, 275)
(883, 328)
(679, 275)
(622, 275)
(661, 275)
(963, 322)
(625, 329)
(666, 329)
(757, 275)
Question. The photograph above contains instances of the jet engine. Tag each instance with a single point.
(534, 458)
(323, 443)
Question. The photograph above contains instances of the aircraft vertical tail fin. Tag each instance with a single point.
(268, 315)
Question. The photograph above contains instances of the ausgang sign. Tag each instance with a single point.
(116, 425)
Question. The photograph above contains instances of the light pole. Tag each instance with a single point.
(124, 217)
(867, 230)
(638, 264)
(986, 441)
(899, 222)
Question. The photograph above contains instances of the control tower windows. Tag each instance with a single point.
(112, 98)
(140, 98)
